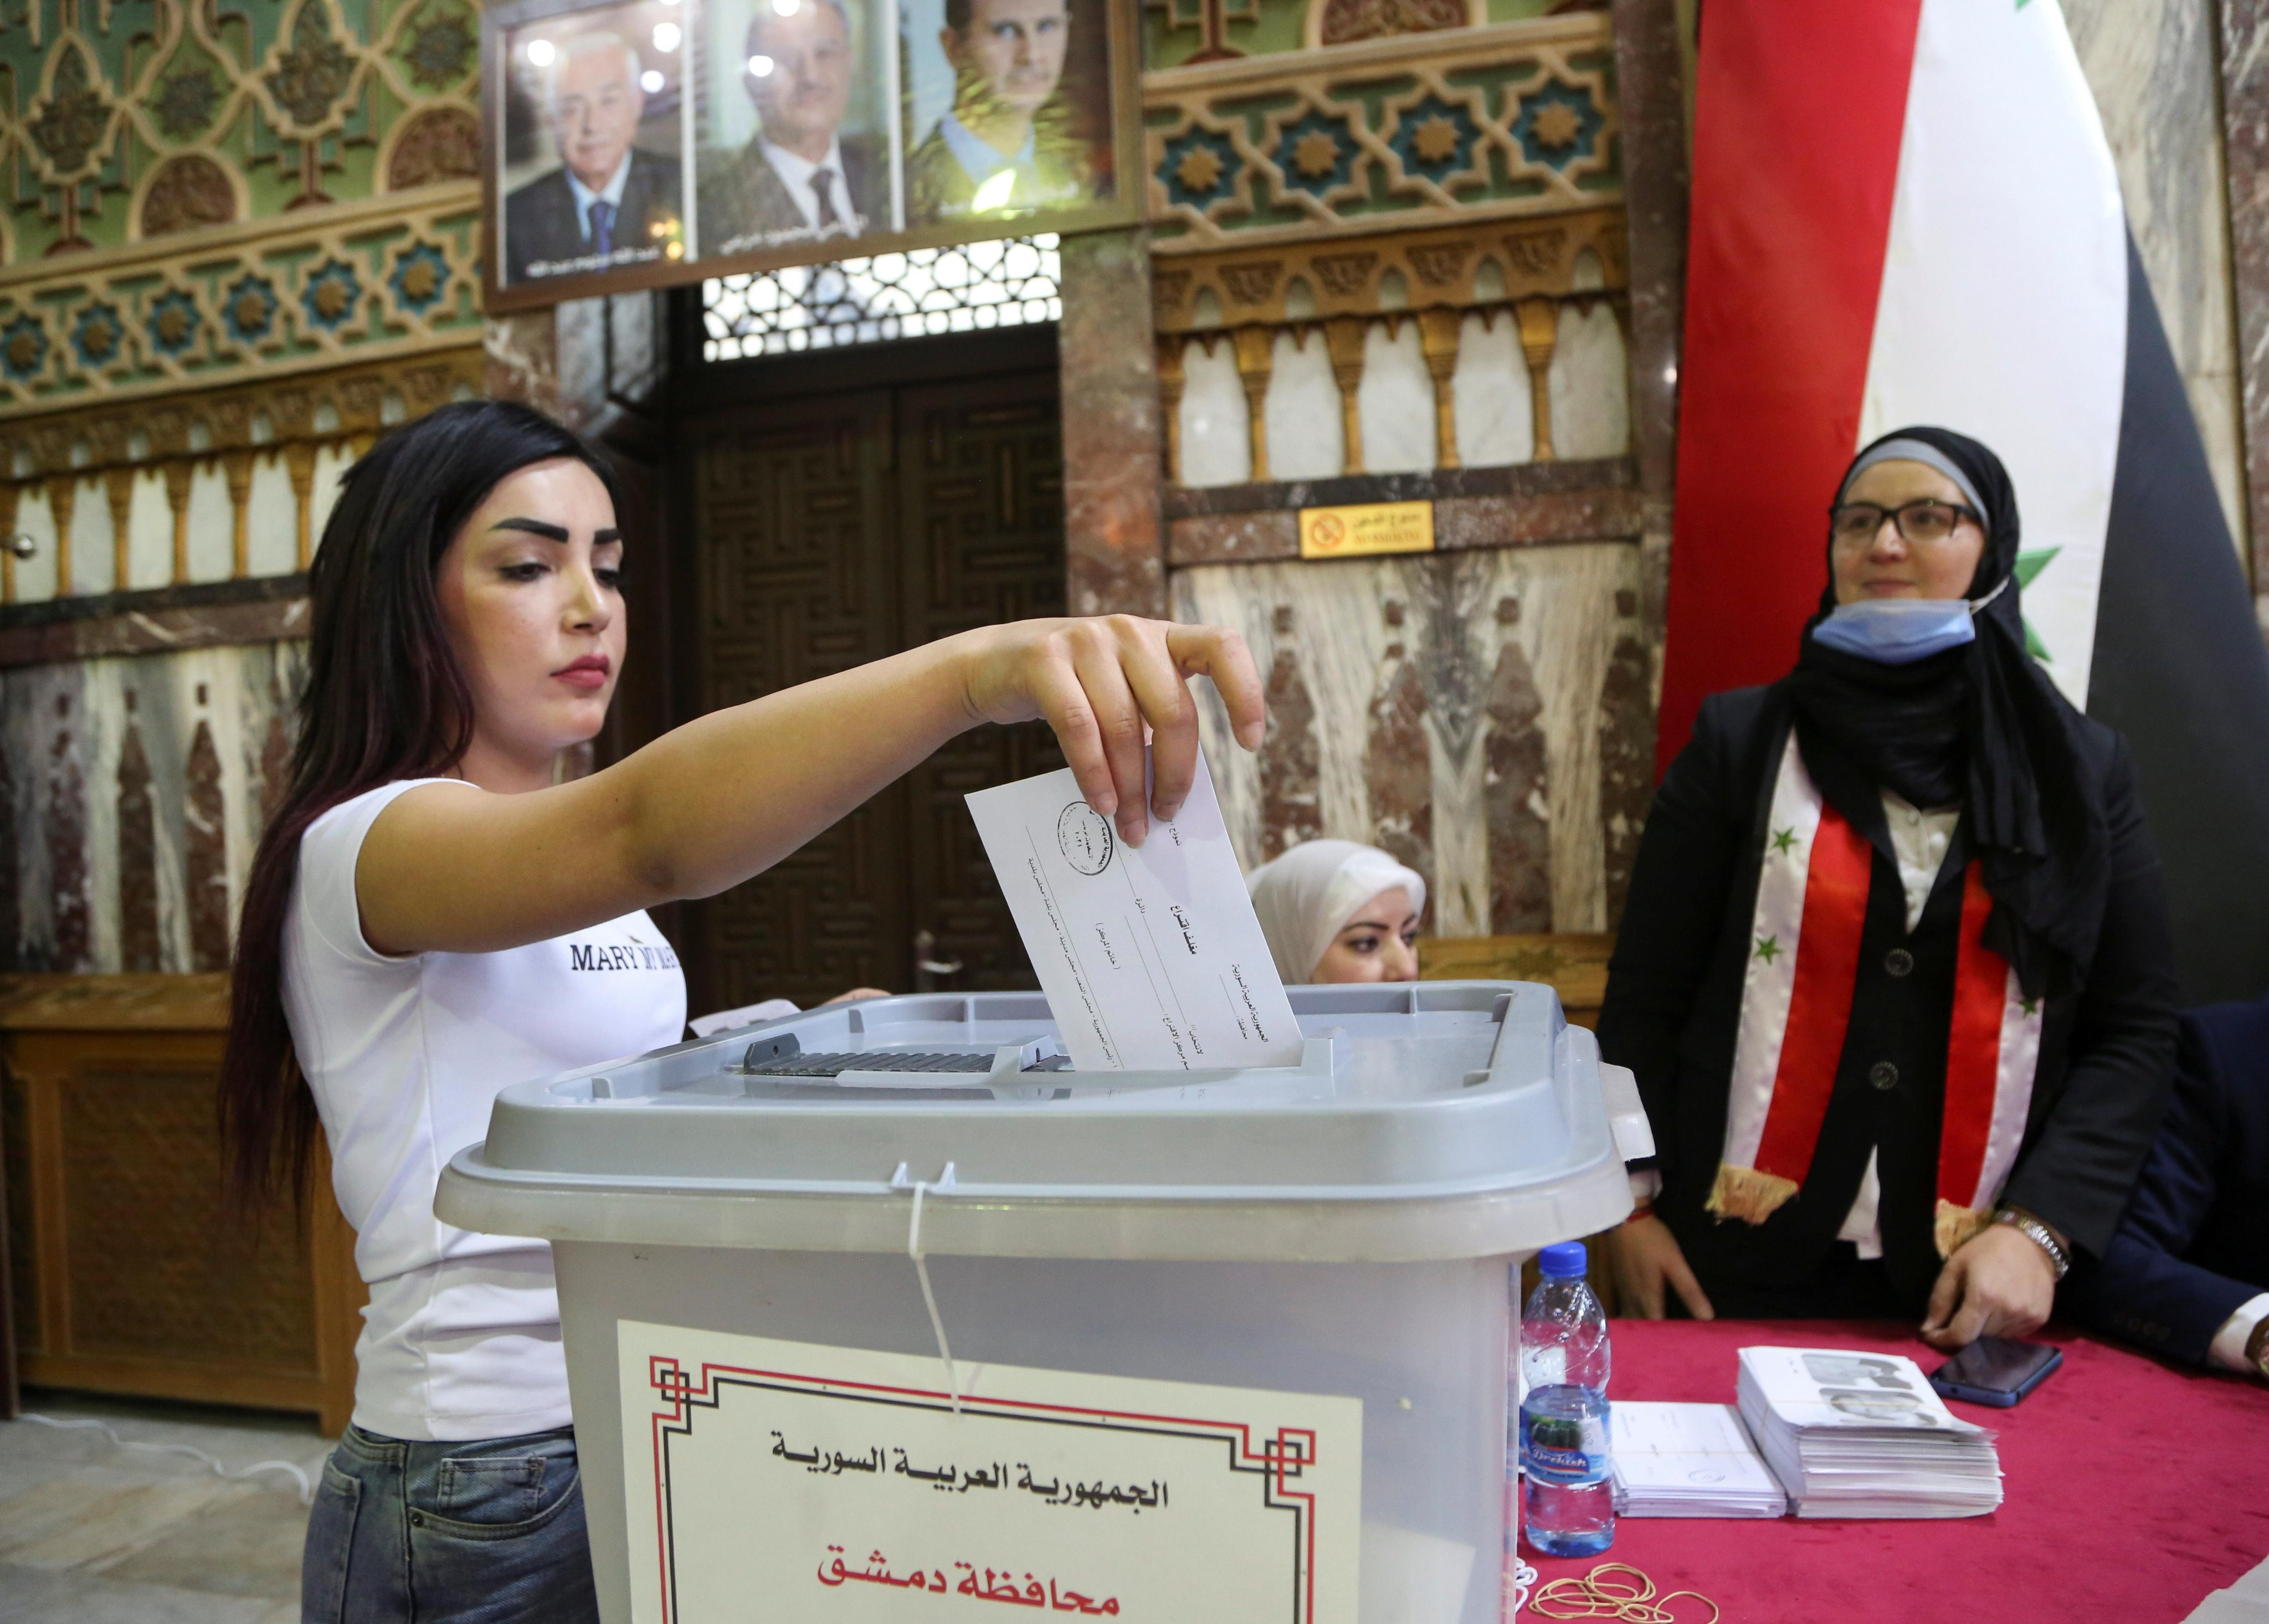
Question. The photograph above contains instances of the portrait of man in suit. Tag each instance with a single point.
(1005, 145)
(610, 202)
(801, 176)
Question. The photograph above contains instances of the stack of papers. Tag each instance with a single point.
(1689, 1461)
(1863, 1434)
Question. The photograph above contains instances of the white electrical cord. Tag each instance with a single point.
(307, 1490)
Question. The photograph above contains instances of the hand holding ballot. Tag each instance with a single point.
(1102, 684)
(1152, 960)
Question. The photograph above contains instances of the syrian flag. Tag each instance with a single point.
(1905, 211)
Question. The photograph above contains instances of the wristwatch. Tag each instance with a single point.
(2256, 1350)
(2041, 1235)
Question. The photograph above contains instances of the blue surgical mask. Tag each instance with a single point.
(1898, 631)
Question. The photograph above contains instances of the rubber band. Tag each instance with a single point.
(1613, 1590)
(1519, 1579)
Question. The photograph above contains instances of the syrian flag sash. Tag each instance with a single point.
(1906, 212)
(1796, 1006)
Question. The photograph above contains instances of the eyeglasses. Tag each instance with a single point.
(1921, 524)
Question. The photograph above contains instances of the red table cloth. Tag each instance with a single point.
(2132, 1487)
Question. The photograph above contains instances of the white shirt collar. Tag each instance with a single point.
(612, 193)
(797, 171)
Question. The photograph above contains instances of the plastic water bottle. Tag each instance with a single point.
(1568, 1501)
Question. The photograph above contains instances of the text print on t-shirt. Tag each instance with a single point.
(605, 955)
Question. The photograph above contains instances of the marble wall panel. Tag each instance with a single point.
(92, 556)
(1483, 678)
(330, 462)
(1305, 427)
(272, 520)
(2152, 66)
(1217, 431)
(135, 786)
(150, 531)
(35, 519)
(2245, 128)
(1396, 400)
(1495, 408)
(212, 525)
(1588, 381)
(1113, 450)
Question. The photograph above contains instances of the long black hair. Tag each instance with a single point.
(384, 700)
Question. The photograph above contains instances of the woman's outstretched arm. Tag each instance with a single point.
(703, 807)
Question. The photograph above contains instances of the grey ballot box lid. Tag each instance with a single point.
(1425, 1120)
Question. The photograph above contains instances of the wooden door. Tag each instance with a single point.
(980, 506)
(833, 530)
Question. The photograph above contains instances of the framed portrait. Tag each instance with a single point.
(637, 144)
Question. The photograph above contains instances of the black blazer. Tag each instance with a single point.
(540, 227)
(2194, 1246)
(1673, 1010)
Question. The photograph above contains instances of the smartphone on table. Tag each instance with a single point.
(1995, 1370)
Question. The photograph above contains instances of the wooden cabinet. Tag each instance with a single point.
(128, 1275)
(1573, 964)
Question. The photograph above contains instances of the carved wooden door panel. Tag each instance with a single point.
(793, 511)
(837, 530)
(980, 502)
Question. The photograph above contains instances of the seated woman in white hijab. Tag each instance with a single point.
(1334, 911)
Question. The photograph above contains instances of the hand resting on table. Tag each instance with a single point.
(1996, 1283)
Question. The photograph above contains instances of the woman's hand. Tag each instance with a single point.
(1107, 686)
(1996, 1283)
(1644, 1254)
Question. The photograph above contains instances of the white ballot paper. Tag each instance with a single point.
(1152, 958)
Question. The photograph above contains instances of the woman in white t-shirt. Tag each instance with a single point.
(429, 919)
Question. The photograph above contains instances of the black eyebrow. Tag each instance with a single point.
(534, 526)
(556, 533)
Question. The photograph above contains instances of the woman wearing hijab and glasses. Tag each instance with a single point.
(1894, 974)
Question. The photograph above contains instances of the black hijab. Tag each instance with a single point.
(1980, 724)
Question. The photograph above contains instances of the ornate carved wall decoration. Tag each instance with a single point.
(1345, 22)
(385, 276)
(131, 780)
(1210, 20)
(185, 193)
(1436, 721)
(1439, 266)
(259, 443)
(192, 191)
(1395, 133)
(1522, 268)
(290, 99)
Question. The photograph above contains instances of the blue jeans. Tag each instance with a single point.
(484, 1532)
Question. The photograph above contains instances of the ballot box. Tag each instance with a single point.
(883, 1310)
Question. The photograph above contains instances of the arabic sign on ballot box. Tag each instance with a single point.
(813, 1483)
